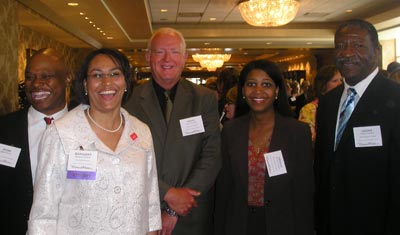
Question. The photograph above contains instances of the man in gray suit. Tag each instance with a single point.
(183, 119)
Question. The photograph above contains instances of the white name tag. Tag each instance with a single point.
(9, 155)
(367, 136)
(192, 125)
(275, 164)
(82, 165)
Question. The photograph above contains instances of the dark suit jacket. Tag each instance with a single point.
(358, 189)
(288, 197)
(192, 161)
(15, 183)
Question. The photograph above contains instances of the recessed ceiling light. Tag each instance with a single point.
(349, 11)
(73, 4)
(309, 43)
(104, 34)
(228, 49)
(90, 22)
(81, 13)
(94, 25)
(164, 10)
(101, 31)
(86, 18)
(110, 38)
(207, 43)
(98, 28)
(268, 43)
(213, 19)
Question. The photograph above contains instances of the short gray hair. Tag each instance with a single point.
(167, 30)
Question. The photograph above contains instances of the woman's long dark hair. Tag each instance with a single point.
(281, 104)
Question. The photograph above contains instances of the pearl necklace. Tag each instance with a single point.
(104, 129)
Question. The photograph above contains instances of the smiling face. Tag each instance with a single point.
(105, 84)
(45, 81)
(167, 59)
(260, 91)
(355, 54)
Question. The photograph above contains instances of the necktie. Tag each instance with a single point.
(48, 120)
(168, 106)
(345, 113)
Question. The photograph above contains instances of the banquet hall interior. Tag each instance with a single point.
(210, 27)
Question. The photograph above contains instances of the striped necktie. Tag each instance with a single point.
(345, 113)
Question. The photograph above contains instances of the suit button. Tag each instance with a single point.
(267, 203)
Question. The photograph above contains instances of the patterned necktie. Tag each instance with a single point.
(48, 120)
(345, 113)
(168, 106)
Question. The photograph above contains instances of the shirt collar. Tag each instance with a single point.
(38, 116)
(362, 85)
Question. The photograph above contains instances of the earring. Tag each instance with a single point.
(125, 90)
(86, 93)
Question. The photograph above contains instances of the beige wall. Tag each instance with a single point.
(8, 56)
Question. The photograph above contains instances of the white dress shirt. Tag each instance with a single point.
(36, 128)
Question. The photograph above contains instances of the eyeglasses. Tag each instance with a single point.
(112, 75)
(31, 77)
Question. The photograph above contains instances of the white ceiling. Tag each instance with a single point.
(131, 22)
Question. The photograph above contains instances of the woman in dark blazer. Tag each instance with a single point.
(266, 183)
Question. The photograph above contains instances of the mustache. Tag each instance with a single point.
(346, 60)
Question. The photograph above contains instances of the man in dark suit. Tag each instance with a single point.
(46, 79)
(187, 147)
(358, 166)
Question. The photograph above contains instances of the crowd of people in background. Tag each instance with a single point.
(248, 153)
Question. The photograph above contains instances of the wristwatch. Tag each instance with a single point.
(169, 211)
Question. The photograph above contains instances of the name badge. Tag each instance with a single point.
(192, 125)
(367, 136)
(82, 165)
(275, 164)
(9, 155)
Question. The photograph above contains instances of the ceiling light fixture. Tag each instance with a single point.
(268, 13)
(73, 4)
(211, 61)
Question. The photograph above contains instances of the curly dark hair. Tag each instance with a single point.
(119, 59)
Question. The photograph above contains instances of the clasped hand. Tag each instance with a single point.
(181, 200)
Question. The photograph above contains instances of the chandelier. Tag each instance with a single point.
(268, 13)
(211, 61)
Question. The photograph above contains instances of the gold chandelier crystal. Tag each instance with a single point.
(268, 13)
(211, 61)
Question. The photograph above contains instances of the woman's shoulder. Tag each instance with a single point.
(291, 123)
(236, 122)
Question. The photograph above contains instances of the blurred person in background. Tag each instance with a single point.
(327, 78)
(226, 79)
(394, 71)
